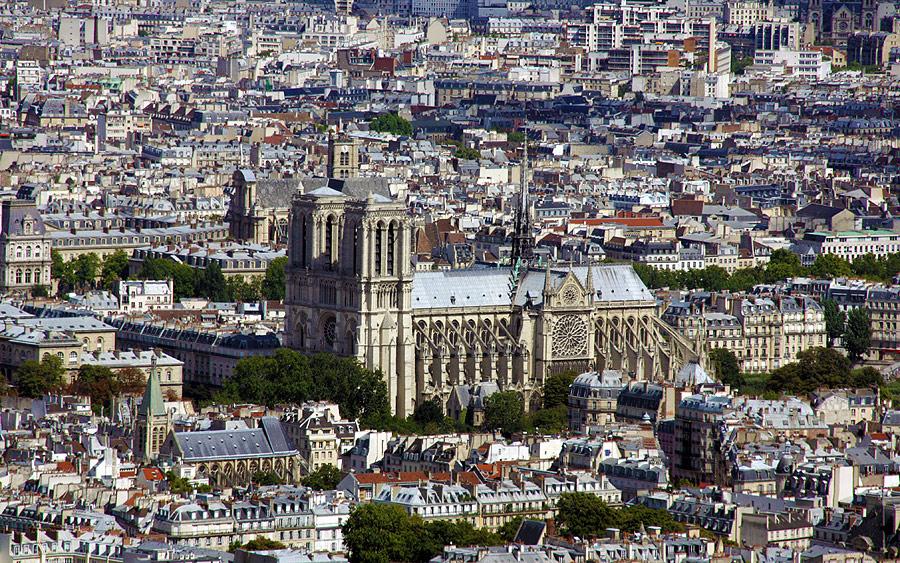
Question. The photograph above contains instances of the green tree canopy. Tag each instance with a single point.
(114, 268)
(62, 271)
(35, 379)
(726, 366)
(835, 319)
(274, 283)
(391, 123)
(585, 515)
(265, 478)
(99, 383)
(86, 268)
(262, 543)
(178, 485)
(504, 411)
(467, 153)
(556, 389)
(291, 377)
(325, 478)
(830, 266)
(858, 335)
(815, 368)
(385, 533)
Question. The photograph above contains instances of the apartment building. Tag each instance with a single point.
(849, 245)
(764, 333)
(319, 433)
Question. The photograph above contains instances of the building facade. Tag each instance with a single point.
(351, 290)
(24, 247)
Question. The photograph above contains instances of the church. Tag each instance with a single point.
(352, 290)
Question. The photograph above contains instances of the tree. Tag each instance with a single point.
(236, 289)
(86, 268)
(178, 485)
(503, 411)
(290, 377)
(265, 478)
(556, 389)
(115, 268)
(274, 282)
(62, 271)
(35, 379)
(509, 530)
(386, 533)
(858, 335)
(789, 260)
(262, 543)
(131, 380)
(583, 515)
(814, 368)
(554, 420)
(99, 383)
(211, 283)
(429, 412)
(830, 266)
(381, 533)
(835, 320)
(726, 366)
(325, 478)
(40, 291)
(467, 153)
(391, 123)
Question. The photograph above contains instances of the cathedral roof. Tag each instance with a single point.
(489, 287)
(612, 282)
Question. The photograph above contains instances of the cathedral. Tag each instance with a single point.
(352, 290)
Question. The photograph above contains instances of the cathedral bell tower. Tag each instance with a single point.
(153, 422)
(349, 284)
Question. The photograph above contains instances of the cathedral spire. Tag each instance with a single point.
(548, 287)
(589, 282)
(523, 243)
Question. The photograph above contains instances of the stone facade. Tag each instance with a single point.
(24, 247)
(351, 290)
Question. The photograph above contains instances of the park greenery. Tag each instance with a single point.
(383, 533)
(391, 123)
(783, 264)
(88, 271)
(585, 515)
(291, 377)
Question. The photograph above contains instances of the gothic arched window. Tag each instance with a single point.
(379, 240)
(329, 240)
(303, 242)
(390, 249)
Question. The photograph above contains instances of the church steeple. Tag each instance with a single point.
(153, 422)
(523, 242)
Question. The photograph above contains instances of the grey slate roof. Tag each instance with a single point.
(490, 287)
(268, 440)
